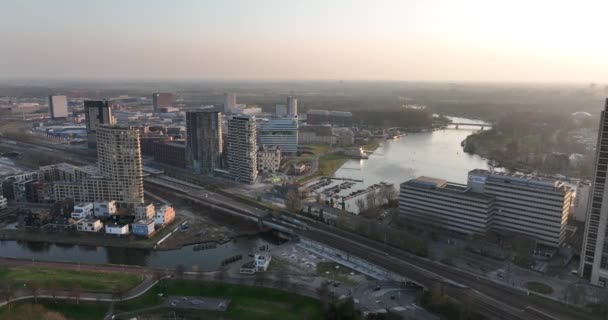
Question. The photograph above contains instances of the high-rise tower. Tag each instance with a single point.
(242, 148)
(594, 254)
(204, 145)
(97, 113)
(58, 107)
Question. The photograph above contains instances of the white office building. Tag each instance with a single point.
(528, 205)
(282, 132)
(447, 205)
(242, 148)
(58, 107)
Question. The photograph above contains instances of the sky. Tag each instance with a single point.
(402, 40)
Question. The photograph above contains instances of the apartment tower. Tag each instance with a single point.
(242, 148)
(204, 145)
(97, 113)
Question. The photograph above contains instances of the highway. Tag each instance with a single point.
(495, 300)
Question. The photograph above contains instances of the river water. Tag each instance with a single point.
(436, 154)
(205, 260)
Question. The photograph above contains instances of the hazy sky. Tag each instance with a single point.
(431, 40)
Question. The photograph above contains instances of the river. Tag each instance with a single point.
(205, 260)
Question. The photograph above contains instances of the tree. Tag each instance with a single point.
(76, 292)
(53, 289)
(6, 291)
(260, 278)
(283, 280)
(34, 289)
(221, 274)
(360, 203)
(389, 194)
(179, 271)
(293, 201)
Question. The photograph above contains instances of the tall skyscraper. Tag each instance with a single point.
(229, 102)
(119, 174)
(119, 160)
(58, 107)
(292, 106)
(282, 132)
(161, 100)
(204, 145)
(242, 148)
(97, 113)
(594, 254)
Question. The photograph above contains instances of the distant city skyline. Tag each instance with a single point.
(407, 40)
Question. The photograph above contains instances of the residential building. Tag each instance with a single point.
(533, 206)
(171, 153)
(282, 132)
(97, 113)
(594, 254)
(581, 201)
(204, 145)
(242, 148)
(82, 210)
(292, 106)
(143, 228)
(448, 205)
(118, 229)
(269, 159)
(337, 118)
(145, 211)
(229, 103)
(89, 225)
(120, 172)
(165, 214)
(161, 100)
(58, 107)
(104, 208)
(317, 134)
(262, 261)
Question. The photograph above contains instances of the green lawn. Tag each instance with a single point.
(66, 279)
(247, 302)
(45, 308)
(539, 287)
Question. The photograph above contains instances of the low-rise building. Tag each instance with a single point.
(165, 214)
(262, 261)
(269, 159)
(105, 208)
(143, 228)
(145, 211)
(89, 225)
(317, 134)
(82, 210)
(115, 228)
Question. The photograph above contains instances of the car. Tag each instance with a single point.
(393, 297)
(377, 288)
(336, 284)
(378, 301)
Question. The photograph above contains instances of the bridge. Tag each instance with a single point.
(481, 125)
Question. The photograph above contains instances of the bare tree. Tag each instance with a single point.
(34, 289)
(360, 203)
(221, 273)
(53, 289)
(179, 271)
(260, 278)
(389, 194)
(77, 292)
(293, 201)
(6, 291)
(283, 279)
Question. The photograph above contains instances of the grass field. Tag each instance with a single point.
(48, 309)
(247, 302)
(539, 287)
(60, 279)
(328, 164)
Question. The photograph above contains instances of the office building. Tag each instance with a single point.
(97, 113)
(292, 106)
(242, 148)
(280, 110)
(170, 153)
(282, 132)
(204, 145)
(229, 103)
(594, 254)
(447, 205)
(532, 206)
(58, 107)
(161, 100)
(269, 159)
